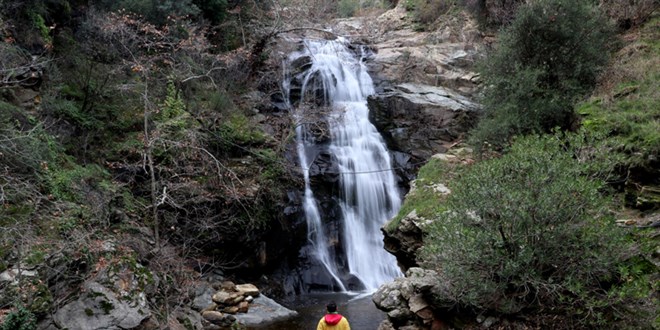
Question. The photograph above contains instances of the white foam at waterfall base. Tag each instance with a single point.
(369, 195)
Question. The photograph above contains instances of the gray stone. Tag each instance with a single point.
(99, 308)
(417, 303)
(243, 307)
(490, 321)
(386, 325)
(11, 275)
(399, 314)
(47, 324)
(264, 310)
(388, 297)
(203, 297)
(228, 286)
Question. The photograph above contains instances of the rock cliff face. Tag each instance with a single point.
(425, 80)
(421, 120)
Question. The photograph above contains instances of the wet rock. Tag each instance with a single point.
(406, 237)
(324, 168)
(241, 302)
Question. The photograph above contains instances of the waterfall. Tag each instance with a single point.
(335, 77)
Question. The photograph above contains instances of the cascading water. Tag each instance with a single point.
(368, 195)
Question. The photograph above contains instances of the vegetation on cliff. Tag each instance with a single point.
(133, 128)
(134, 142)
(550, 55)
(531, 230)
(528, 230)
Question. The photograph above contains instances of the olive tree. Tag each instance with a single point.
(552, 53)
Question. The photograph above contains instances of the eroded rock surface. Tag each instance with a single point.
(421, 120)
(101, 308)
(406, 300)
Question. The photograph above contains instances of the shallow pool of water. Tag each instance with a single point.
(360, 311)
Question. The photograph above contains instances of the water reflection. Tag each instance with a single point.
(360, 311)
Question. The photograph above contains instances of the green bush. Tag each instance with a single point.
(424, 199)
(72, 112)
(529, 231)
(24, 150)
(69, 181)
(426, 12)
(348, 8)
(238, 131)
(21, 319)
(213, 10)
(221, 102)
(173, 105)
(551, 53)
(39, 23)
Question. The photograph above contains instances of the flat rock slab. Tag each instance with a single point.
(264, 310)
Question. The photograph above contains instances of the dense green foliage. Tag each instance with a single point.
(550, 55)
(530, 231)
(21, 319)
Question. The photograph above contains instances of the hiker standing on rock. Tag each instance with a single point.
(333, 320)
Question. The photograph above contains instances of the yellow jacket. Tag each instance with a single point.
(333, 321)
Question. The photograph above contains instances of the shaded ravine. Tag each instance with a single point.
(331, 84)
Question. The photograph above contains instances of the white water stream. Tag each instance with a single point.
(369, 195)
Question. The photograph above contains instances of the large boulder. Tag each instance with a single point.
(264, 310)
(406, 299)
(100, 308)
(421, 120)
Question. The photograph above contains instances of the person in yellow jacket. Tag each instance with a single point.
(333, 320)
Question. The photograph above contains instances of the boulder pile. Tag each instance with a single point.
(229, 300)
